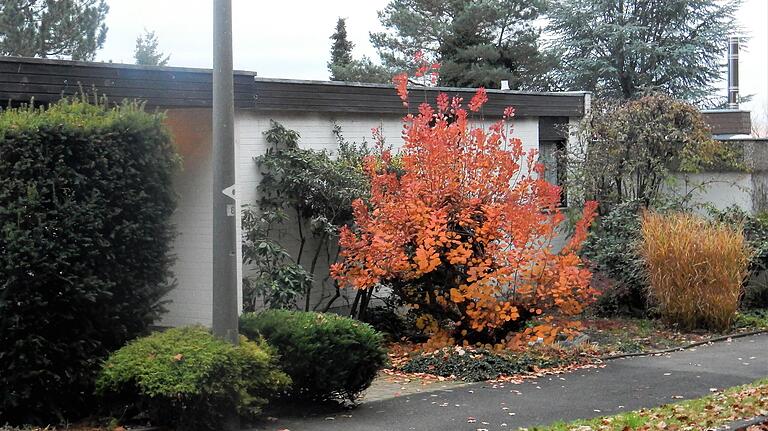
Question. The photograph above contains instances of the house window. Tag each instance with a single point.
(553, 132)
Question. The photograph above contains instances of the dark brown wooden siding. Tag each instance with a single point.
(46, 81)
(725, 122)
(371, 98)
(22, 79)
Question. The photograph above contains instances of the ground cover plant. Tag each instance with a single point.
(723, 408)
(478, 364)
(187, 379)
(461, 230)
(327, 356)
(86, 200)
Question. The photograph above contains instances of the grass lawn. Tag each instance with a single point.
(722, 408)
(623, 335)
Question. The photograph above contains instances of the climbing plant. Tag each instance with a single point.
(308, 191)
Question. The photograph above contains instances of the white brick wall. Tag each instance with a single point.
(191, 300)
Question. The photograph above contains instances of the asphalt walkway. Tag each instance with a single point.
(623, 384)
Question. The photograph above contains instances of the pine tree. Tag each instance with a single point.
(478, 42)
(625, 48)
(52, 28)
(147, 53)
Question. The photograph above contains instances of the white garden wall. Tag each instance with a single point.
(718, 189)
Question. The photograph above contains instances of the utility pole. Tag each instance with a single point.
(225, 312)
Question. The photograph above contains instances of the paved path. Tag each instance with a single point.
(624, 384)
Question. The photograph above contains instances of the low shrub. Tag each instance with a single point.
(395, 323)
(756, 291)
(326, 355)
(86, 199)
(756, 234)
(612, 247)
(474, 365)
(386, 320)
(752, 320)
(696, 269)
(186, 378)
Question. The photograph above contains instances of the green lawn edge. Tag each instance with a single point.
(722, 408)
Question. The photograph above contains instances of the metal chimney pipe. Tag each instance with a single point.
(733, 72)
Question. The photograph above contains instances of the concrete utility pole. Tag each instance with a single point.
(225, 312)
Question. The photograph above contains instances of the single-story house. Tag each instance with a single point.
(312, 108)
(309, 107)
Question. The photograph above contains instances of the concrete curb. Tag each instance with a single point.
(686, 347)
(743, 425)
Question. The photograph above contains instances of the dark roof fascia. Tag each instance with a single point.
(417, 87)
(110, 65)
(46, 80)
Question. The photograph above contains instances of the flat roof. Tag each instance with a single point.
(47, 80)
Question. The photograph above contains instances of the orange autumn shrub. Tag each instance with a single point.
(461, 228)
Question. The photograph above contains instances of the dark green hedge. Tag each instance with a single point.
(326, 355)
(85, 205)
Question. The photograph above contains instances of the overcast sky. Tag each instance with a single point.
(289, 38)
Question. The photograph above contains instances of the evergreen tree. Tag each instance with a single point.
(52, 28)
(341, 48)
(147, 53)
(478, 42)
(625, 48)
(362, 70)
(344, 67)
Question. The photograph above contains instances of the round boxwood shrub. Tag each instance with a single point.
(85, 206)
(326, 355)
(187, 379)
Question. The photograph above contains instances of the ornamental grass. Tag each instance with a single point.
(695, 269)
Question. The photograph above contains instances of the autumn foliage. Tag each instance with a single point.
(460, 226)
(695, 268)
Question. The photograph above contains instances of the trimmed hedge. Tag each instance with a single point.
(85, 206)
(188, 379)
(326, 355)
